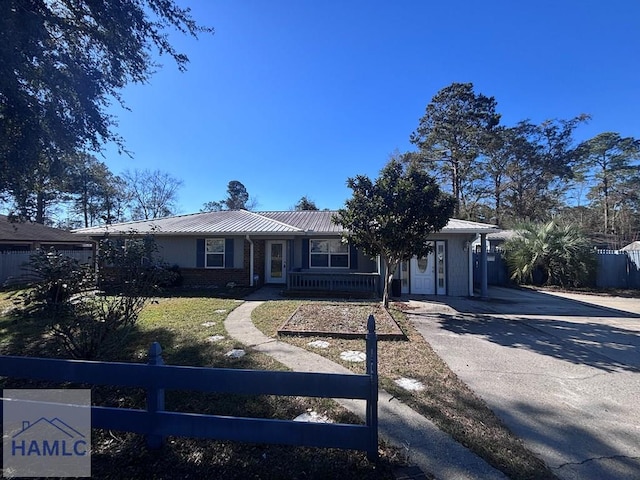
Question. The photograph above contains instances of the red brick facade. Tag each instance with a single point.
(220, 277)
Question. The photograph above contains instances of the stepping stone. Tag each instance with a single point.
(208, 324)
(215, 338)
(410, 384)
(220, 311)
(319, 344)
(353, 356)
(312, 417)
(236, 353)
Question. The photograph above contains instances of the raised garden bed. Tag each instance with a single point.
(340, 321)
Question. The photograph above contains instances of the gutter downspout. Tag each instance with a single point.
(471, 264)
(250, 261)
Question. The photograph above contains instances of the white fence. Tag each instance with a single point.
(12, 264)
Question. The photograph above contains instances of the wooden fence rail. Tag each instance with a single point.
(155, 377)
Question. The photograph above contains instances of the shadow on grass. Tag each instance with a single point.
(186, 458)
(124, 455)
(477, 429)
(237, 293)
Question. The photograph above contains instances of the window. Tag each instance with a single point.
(329, 253)
(214, 253)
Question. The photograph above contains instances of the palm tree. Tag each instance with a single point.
(551, 254)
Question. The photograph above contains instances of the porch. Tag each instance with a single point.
(347, 282)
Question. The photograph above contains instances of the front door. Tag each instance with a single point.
(276, 267)
(423, 275)
(404, 277)
(441, 268)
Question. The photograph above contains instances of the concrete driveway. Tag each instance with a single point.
(562, 372)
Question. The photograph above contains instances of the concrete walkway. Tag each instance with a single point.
(428, 447)
(561, 370)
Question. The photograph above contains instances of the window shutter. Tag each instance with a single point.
(305, 253)
(228, 253)
(200, 252)
(353, 253)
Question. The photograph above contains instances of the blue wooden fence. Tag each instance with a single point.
(616, 269)
(155, 377)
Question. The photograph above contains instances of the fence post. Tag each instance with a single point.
(372, 401)
(155, 398)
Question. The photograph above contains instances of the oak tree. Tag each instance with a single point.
(393, 215)
(63, 64)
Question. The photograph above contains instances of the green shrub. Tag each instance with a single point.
(91, 314)
(551, 254)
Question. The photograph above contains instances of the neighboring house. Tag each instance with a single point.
(27, 236)
(19, 239)
(300, 250)
(633, 246)
(495, 240)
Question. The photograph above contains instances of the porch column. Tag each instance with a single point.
(469, 248)
(290, 261)
(484, 289)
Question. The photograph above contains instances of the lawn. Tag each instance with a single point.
(191, 332)
(445, 400)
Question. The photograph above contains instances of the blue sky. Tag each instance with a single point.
(292, 97)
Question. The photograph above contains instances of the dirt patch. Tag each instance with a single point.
(342, 321)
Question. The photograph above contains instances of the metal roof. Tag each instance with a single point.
(243, 222)
(465, 226)
(311, 221)
(224, 222)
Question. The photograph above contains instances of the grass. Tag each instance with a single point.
(183, 327)
(446, 401)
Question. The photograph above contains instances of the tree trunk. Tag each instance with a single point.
(85, 207)
(387, 285)
(455, 181)
(40, 203)
(605, 193)
(390, 268)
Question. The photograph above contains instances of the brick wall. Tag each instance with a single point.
(218, 277)
(259, 262)
(222, 276)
